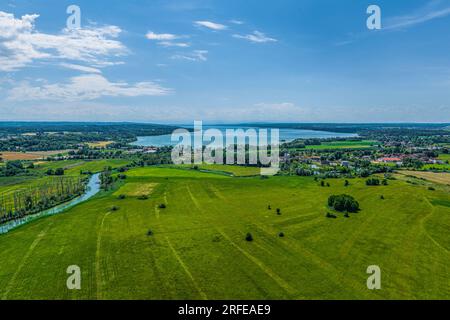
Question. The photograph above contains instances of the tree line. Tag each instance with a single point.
(33, 200)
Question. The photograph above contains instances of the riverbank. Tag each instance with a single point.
(92, 188)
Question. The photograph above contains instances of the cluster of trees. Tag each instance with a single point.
(343, 203)
(12, 168)
(45, 196)
(56, 172)
(376, 182)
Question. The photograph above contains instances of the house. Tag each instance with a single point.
(345, 164)
(390, 160)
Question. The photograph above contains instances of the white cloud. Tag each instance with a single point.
(167, 39)
(196, 55)
(425, 14)
(80, 68)
(161, 37)
(211, 25)
(21, 44)
(238, 22)
(174, 44)
(256, 36)
(84, 87)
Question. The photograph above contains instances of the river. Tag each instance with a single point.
(93, 187)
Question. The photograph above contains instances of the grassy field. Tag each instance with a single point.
(73, 167)
(198, 248)
(364, 144)
(236, 171)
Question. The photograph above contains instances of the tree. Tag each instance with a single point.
(373, 182)
(343, 203)
(59, 172)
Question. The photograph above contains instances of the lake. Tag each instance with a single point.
(286, 135)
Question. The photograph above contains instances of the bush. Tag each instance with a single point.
(59, 172)
(162, 206)
(115, 208)
(346, 183)
(249, 237)
(279, 211)
(343, 203)
(385, 182)
(431, 189)
(281, 234)
(143, 197)
(121, 196)
(382, 197)
(331, 216)
(122, 176)
(269, 207)
(373, 182)
(149, 233)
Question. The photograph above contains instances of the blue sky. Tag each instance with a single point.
(225, 61)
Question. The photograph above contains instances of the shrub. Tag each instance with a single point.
(322, 183)
(431, 189)
(115, 208)
(122, 176)
(149, 233)
(385, 182)
(59, 172)
(373, 182)
(281, 234)
(382, 197)
(249, 237)
(343, 203)
(328, 184)
(346, 183)
(162, 206)
(269, 207)
(331, 216)
(279, 211)
(346, 215)
(143, 197)
(121, 196)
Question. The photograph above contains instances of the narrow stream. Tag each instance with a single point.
(93, 187)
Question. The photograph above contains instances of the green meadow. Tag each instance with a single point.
(363, 144)
(197, 248)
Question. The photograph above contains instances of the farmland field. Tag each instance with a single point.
(7, 155)
(443, 178)
(197, 248)
(364, 144)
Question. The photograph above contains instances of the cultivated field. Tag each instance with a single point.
(440, 177)
(364, 144)
(197, 249)
(6, 155)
